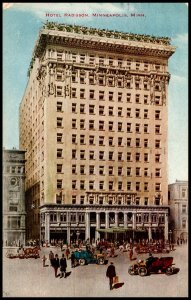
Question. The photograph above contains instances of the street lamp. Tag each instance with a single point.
(170, 236)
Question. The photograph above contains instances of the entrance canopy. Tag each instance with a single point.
(120, 230)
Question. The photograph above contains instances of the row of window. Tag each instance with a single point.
(111, 142)
(14, 169)
(111, 96)
(104, 60)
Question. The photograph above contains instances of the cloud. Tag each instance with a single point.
(181, 39)
(73, 8)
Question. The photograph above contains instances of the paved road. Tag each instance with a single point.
(28, 278)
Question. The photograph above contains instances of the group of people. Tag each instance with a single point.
(57, 263)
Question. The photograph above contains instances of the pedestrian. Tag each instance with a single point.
(72, 259)
(67, 252)
(56, 264)
(131, 253)
(111, 273)
(44, 260)
(51, 258)
(63, 266)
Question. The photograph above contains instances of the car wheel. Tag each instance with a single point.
(169, 271)
(82, 261)
(131, 270)
(101, 261)
(142, 271)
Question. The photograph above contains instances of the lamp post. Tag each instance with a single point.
(77, 232)
(170, 236)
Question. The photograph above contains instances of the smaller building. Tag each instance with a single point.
(178, 202)
(14, 213)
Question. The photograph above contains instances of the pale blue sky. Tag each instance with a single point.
(21, 24)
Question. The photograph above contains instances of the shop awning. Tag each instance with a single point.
(120, 230)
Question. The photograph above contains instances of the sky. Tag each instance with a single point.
(21, 25)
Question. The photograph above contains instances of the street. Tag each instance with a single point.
(28, 278)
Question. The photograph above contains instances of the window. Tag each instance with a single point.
(73, 169)
(111, 81)
(73, 138)
(59, 91)
(119, 97)
(146, 143)
(59, 183)
(183, 223)
(91, 79)
(110, 141)
(82, 170)
(137, 87)
(91, 109)
(137, 113)
(59, 168)
(73, 92)
(101, 95)
(128, 98)
(146, 128)
(74, 107)
(82, 184)
(82, 124)
(74, 57)
(92, 60)
(137, 143)
(137, 156)
(137, 66)
(59, 153)
(59, 122)
(101, 80)
(157, 129)
(110, 155)
(59, 137)
(73, 123)
(101, 140)
(91, 139)
(157, 157)
(128, 186)
(82, 154)
(82, 202)
(120, 185)
(146, 157)
(146, 201)
(92, 94)
(101, 110)
(157, 172)
(157, 187)
(128, 142)
(101, 170)
(74, 75)
(128, 156)
(120, 82)
(110, 96)
(82, 93)
(82, 78)
(110, 110)
(91, 185)
(120, 139)
(91, 124)
(137, 186)
(184, 192)
(119, 171)
(157, 100)
(82, 58)
(82, 139)
(110, 126)
(73, 154)
(101, 125)
(120, 62)
(146, 186)
(128, 127)
(101, 155)
(59, 55)
(119, 111)
(128, 64)
(137, 203)
(146, 99)
(101, 60)
(137, 128)
(145, 86)
(129, 112)
(73, 184)
(157, 144)
(145, 113)
(73, 202)
(120, 155)
(146, 173)
(101, 185)
(128, 171)
(110, 185)
(110, 61)
(184, 210)
(59, 106)
(91, 155)
(110, 170)
(138, 171)
(157, 115)
(119, 126)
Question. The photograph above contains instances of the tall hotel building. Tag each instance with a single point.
(93, 123)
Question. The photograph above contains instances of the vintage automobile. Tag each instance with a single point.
(87, 257)
(152, 265)
(30, 252)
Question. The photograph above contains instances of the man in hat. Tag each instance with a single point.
(111, 273)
